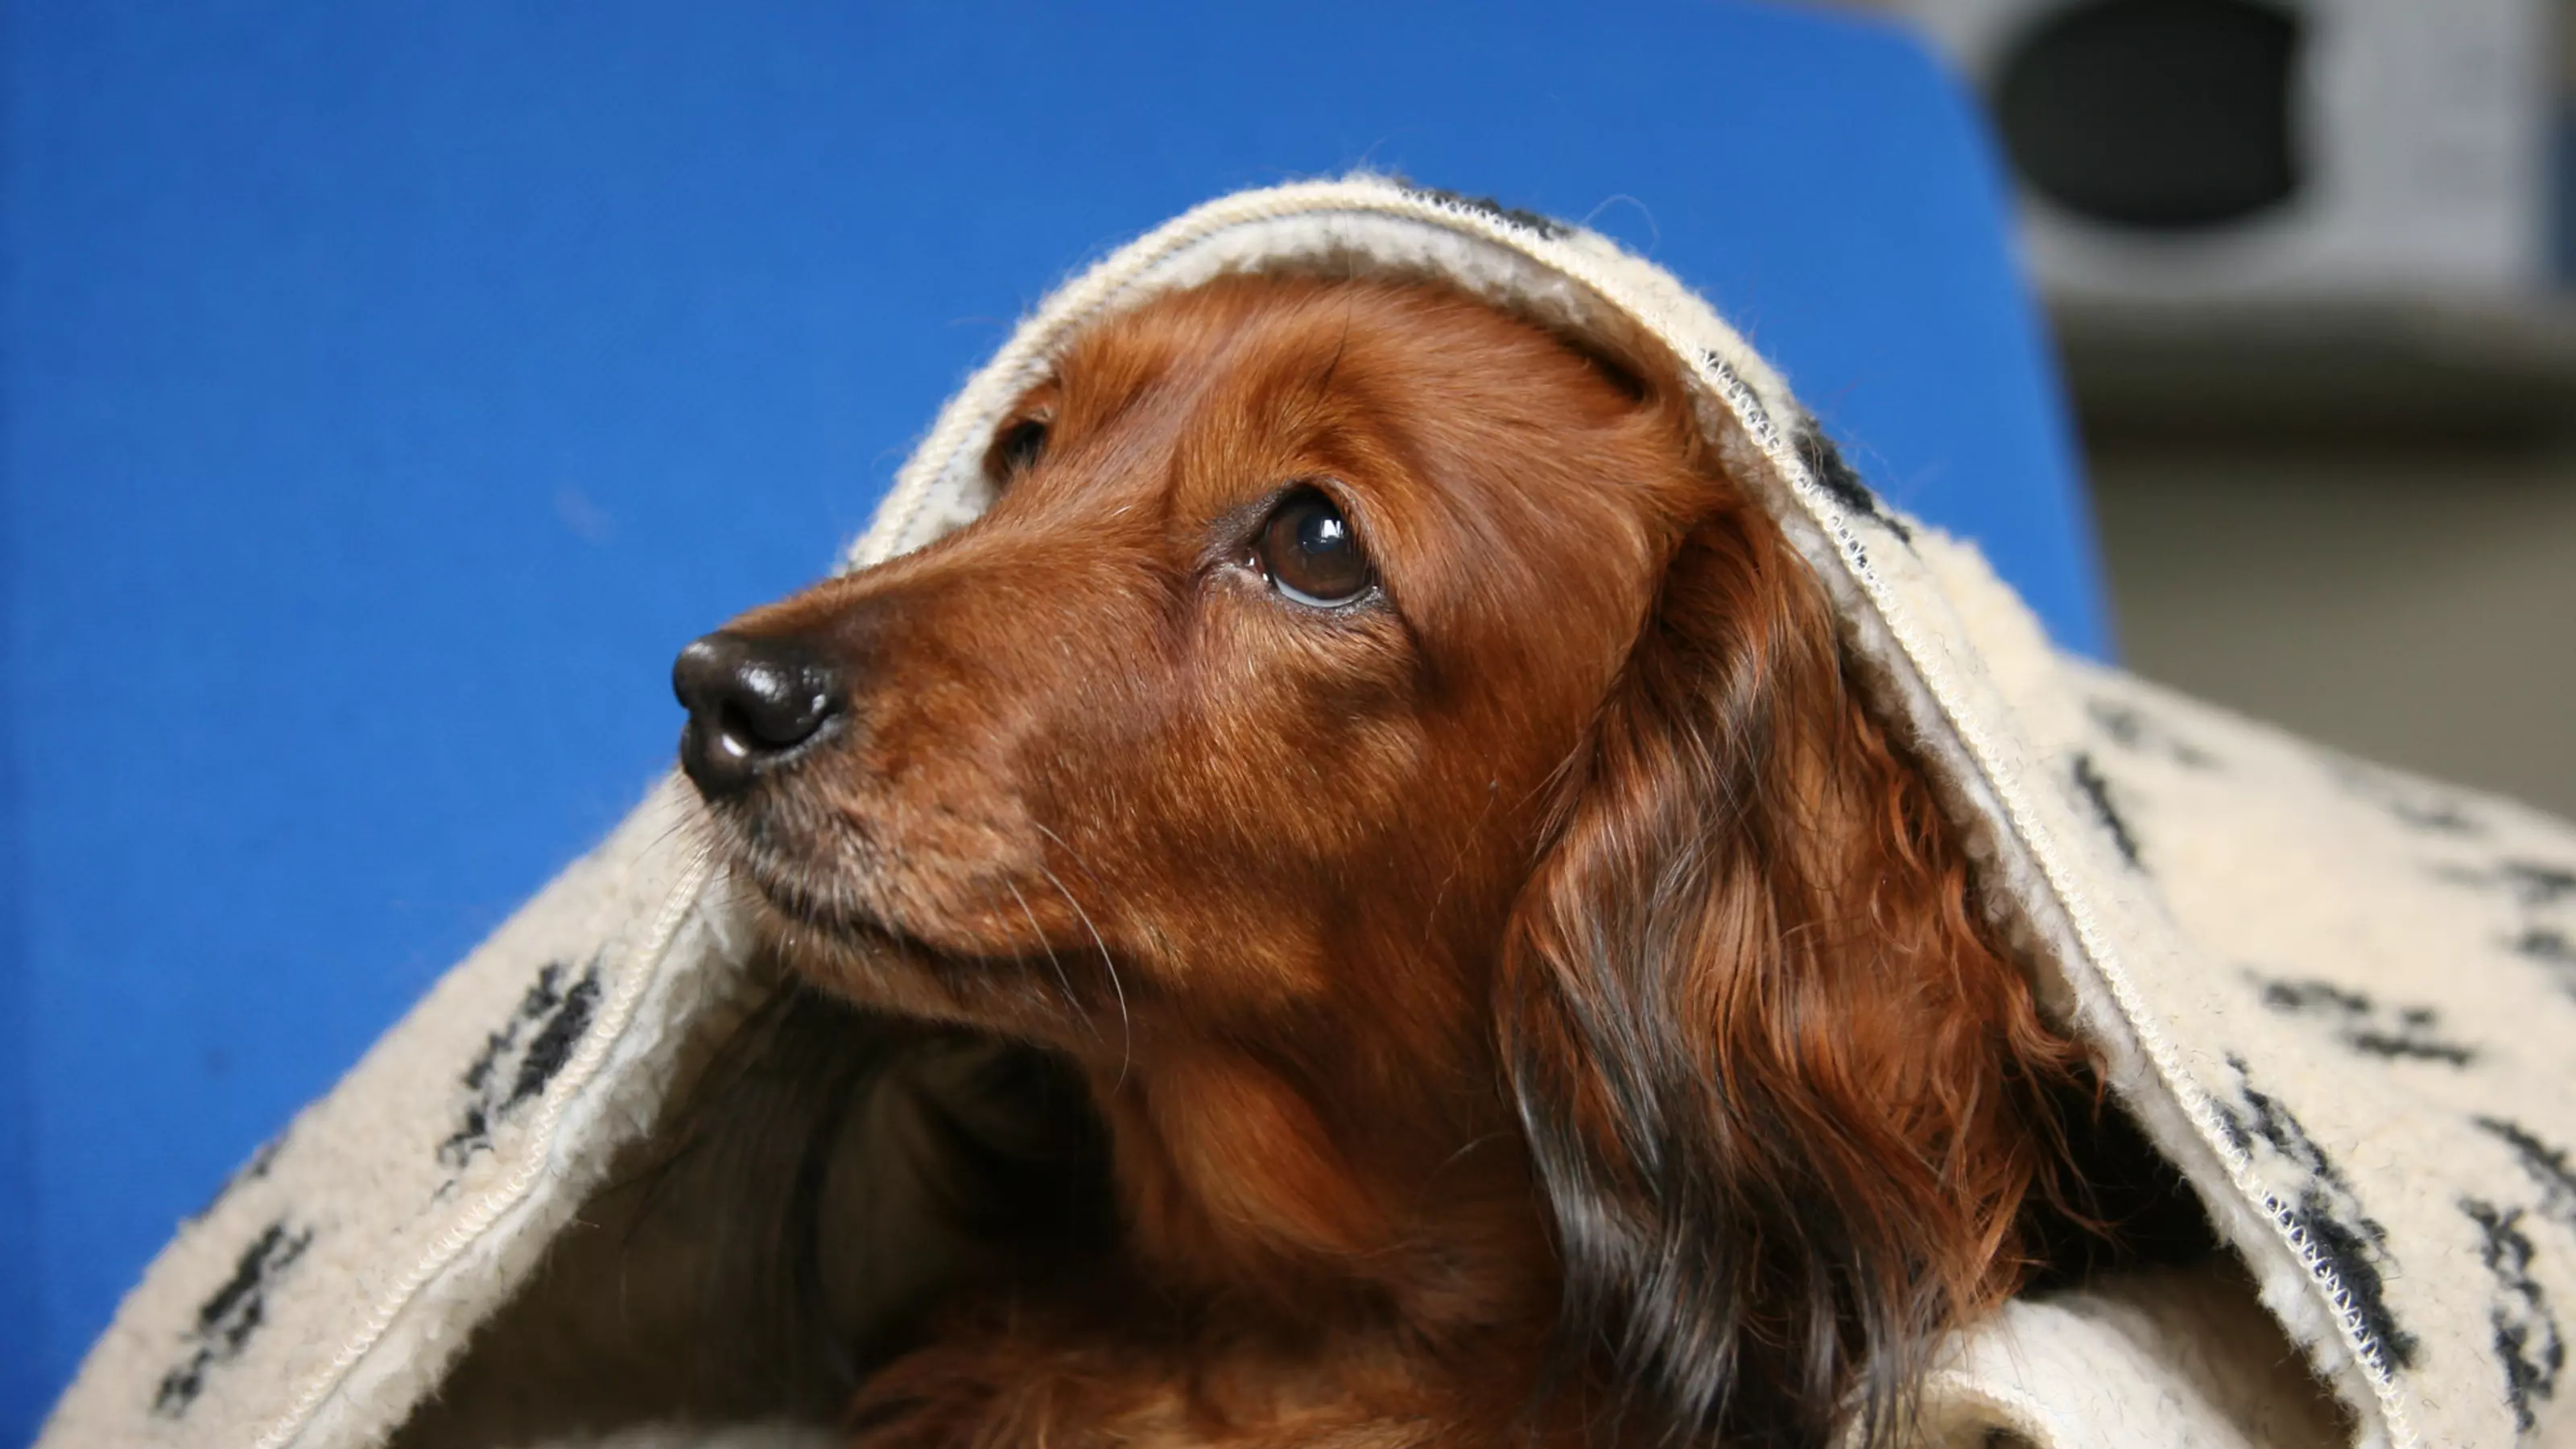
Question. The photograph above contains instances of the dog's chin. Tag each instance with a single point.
(850, 952)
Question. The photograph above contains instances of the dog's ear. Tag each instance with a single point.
(1782, 1094)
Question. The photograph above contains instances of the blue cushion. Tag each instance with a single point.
(392, 389)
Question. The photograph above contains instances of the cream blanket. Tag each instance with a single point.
(2343, 1001)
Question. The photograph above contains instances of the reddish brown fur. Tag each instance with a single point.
(1556, 938)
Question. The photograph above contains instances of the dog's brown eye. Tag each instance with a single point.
(1309, 553)
(1017, 448)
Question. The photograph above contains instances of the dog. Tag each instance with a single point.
(1419, 938)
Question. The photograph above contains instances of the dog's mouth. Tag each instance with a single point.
(823, 897)
(793, 901)
(772, 848)
(837, 941)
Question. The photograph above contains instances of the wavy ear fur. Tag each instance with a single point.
(1784, 1096)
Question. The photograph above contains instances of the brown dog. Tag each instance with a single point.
(1373, 748)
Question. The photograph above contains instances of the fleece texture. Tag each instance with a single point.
(2341, 1000)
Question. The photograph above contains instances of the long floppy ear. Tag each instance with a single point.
(1783, 1095)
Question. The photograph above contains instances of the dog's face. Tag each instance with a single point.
(1247, 687)
(1386, 749)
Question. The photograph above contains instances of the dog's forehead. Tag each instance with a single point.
(1197, 390)
(1259, 357)
(1190, 340)
(1216, 395)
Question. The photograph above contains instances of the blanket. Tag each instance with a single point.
(2342, 1001)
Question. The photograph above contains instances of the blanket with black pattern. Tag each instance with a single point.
(2341, 1000)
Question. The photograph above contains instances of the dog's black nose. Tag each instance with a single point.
(751, 703)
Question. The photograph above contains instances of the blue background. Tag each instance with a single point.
(389, 390)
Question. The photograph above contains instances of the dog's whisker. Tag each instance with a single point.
(1126, 1026)
(1457, 863)
(1064, 982)
(1470, 1145)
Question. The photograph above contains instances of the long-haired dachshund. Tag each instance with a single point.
(1426, 944)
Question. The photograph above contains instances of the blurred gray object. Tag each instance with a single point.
(2192, 150)
(2288, 211)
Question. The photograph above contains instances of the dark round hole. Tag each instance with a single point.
(2163, 115)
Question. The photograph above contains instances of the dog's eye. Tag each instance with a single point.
(1017, 448)
(1309, 553)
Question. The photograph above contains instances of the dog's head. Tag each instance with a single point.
(1372, 725)
(1249, 686)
